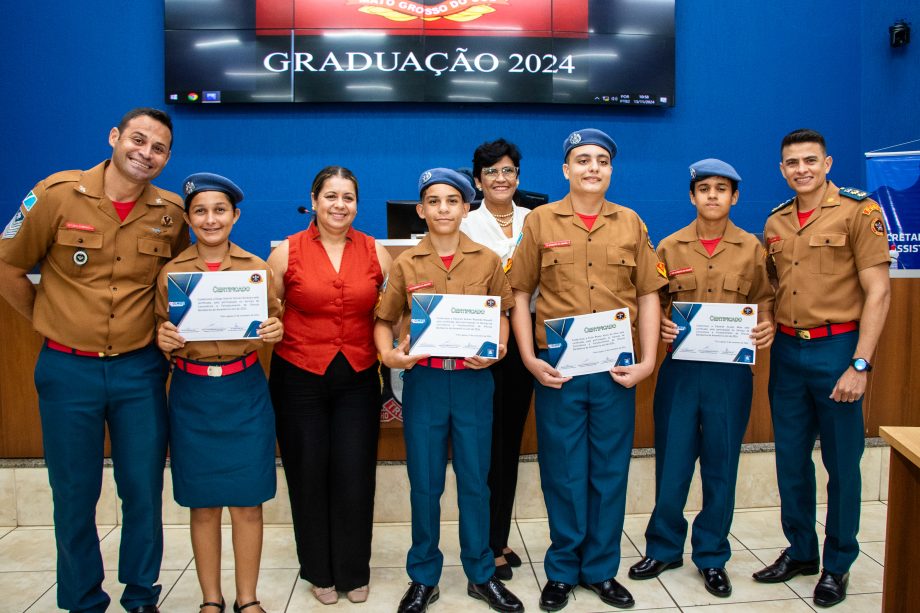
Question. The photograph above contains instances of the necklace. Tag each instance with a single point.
(503, 220)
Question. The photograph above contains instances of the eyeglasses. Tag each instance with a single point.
(507, 171)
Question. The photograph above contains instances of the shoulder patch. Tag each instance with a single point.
(872, 206)
(29, 201)
(780, 207)
(12, 228)
(170, 197)
(853, 193)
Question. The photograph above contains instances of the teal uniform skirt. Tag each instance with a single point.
(221, 439)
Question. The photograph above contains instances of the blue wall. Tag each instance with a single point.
(745, 77)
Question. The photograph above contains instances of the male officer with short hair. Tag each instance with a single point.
(828, 258)
(101, 236)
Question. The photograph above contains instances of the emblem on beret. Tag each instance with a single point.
(575, 138)
(166, 221)
(189, 187)
(692, 173)
(878, 227)
(426, 176)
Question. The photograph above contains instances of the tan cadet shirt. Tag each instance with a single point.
(735, 272)
(475, 270)
(236, 259)
(816, 267)
(581, 272)
(105, 304)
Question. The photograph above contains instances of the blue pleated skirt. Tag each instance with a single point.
(221, 439)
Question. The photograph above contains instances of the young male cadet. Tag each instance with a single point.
(702, 408)
(101, 236)
(445, 398)
(586, 254)
(828, 258)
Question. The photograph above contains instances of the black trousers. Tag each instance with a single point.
(327, 427)
(511, 403)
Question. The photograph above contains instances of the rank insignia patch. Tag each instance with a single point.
(12, 228)
(852, 192)
(871, 207)
(661, 269)
(29, 201)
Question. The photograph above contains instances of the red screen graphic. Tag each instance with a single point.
(534, 18)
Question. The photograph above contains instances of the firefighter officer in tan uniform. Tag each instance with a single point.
(100, 237)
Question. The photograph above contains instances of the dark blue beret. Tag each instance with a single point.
(449, 177)
(210, 182)
(711, 167)
(588, 136)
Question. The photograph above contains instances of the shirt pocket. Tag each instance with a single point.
(152, 254)
(557, 269)
(621, 267)
(476, 288)
(826, 252)
(681, 283)
(77, 252)
(736, 284)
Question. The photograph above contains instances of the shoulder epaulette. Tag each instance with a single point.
(171, 197)
(780, 207)
(65, 176)
(853, 193)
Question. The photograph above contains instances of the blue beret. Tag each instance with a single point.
(711, 167)
(588, 136)
(210, 182)
(448, 177)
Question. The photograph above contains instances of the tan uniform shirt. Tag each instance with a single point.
(816, 266)
(236, 259)
(475, 270)
(581, 272)
(105, 304)
(735, 272)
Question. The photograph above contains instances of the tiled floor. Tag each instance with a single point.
(27, 561)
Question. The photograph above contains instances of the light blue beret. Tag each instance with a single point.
(449, 177)
(588, 136)
(210, 182)
(711, 167)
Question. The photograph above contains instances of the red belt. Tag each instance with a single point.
(443, 363)
(203, 369)
(87, 354)
(820, 331)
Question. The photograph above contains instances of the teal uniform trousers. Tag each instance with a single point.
(78, 396)
(701, 412)
(802, 375)
(585, 435)
(438, 406)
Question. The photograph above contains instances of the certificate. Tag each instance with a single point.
(714, 332)
(455, 325)
(218, 306)
(590, 343)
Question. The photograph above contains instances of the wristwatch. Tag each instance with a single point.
(861, 365)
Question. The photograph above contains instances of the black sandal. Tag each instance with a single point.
(255, 603)
(219, 606)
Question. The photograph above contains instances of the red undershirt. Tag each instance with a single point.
(803, 217)
(213, 266)
(710, 244)
(448, 260)
(123, 208)
(588, 219)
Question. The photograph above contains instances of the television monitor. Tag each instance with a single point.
(403, 220)
(601, 52)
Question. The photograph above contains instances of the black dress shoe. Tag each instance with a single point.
(237, 607)
(649, 568)
(717, 582)
(831, 589)
(147, 608)
(504, 572)
(514, 560)
(496, 594)
(785, 568)
(555, 595)
(612, 593)
(417, 598)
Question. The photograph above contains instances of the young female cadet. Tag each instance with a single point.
(586, 254)
(222, 427)
(702, 408)
(445, 398)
